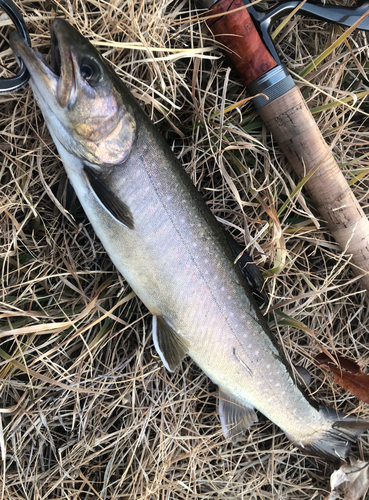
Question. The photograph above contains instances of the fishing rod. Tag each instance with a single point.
(244, 31)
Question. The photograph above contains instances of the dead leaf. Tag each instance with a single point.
(348, 375)
(350, 482)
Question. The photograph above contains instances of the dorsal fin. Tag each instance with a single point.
(168, 344)
(235, 417)
(250, 271)
(304, 376)
(115, 206)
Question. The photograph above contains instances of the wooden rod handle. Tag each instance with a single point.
(294, 127)
(237, 31)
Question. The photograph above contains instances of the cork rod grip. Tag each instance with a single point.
(293, 126)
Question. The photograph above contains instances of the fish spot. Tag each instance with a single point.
(223, 288)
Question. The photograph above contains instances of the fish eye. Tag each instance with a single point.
(90, 72)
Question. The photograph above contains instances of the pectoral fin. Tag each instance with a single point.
(236, 418)
(116, 207)
(168, 344)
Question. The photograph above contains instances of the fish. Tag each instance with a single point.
(162, 237)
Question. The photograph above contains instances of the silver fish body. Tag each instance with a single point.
(163, 239)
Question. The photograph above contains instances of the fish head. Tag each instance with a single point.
(80, 97)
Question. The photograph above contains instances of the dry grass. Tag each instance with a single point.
(87, 410)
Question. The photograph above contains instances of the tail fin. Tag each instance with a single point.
(334, 444)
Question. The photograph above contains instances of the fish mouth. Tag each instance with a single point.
(57, 79)
(55, 64)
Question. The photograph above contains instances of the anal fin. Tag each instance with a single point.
(168, 344)
(235, 417)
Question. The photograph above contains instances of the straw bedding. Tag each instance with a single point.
(87, 409)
